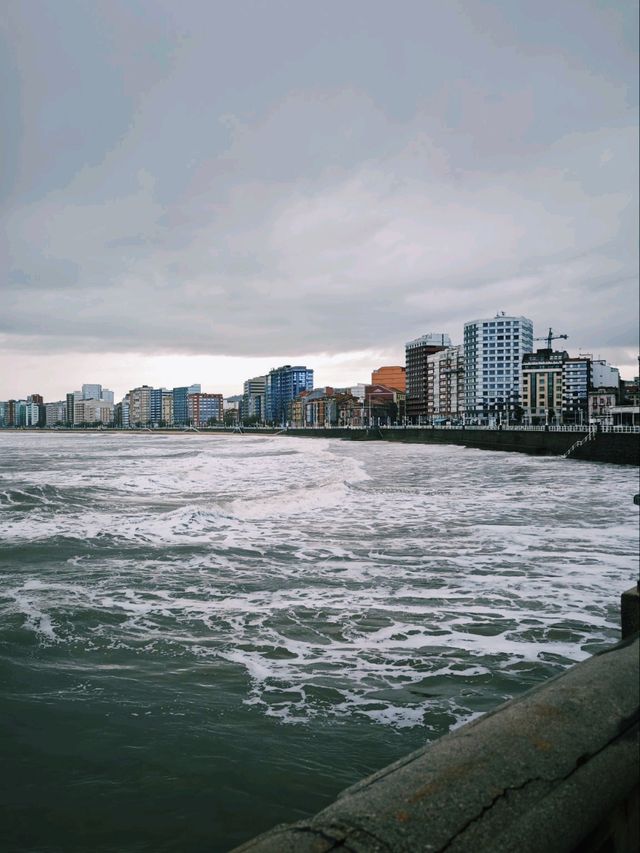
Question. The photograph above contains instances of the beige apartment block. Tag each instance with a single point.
(445, 383)
(140, 405)
(542, 386)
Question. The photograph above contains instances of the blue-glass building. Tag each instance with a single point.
(282, 385)
(156, 405)
(180, 403)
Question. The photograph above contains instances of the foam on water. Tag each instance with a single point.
(390, 582)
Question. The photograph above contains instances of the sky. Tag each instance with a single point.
(201, 191)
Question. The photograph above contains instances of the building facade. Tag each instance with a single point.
(205, 409)
(180, 405)
(252, 409)
(91, 392)
(282, 386)
(576, 382)
(92, 412)
(56, 413)
(493, 350)
(445, 384)
(542, 383)
(140, 406)
(392, 376)
(417, 376)
(161, 406)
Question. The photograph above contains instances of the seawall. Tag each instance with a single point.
(555, 770)
(612, 447)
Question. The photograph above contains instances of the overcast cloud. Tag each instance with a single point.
(253, 180)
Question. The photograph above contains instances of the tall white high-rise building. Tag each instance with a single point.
(493, 351)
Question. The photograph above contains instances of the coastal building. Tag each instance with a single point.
(445, 384)
(358, 391)
(72, 398)
(629, 391)
(319, 408)
(125, 422)
(180, 407)
(11, 413)
(91, 392)
(603, 375)
(350, 409)
(493, 350)
(31, 416)
(296, 410)
(576, 382)
(252, 409)
(391, 376)
(205, 409)
(542, 378)
(140, 406)
(625, 416)
(92, 412)
(107, 395)
(161, 404)
(417, 377)
(56, 413)
(601, 403)
(380, 405)
(283, 384)
(232, 408)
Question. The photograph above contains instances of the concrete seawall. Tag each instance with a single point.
(554, 770)
(614, 448)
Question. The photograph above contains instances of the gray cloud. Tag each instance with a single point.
(197, 182)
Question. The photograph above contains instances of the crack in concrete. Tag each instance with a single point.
(580, 762)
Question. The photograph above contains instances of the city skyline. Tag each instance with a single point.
(202, 193)
(170, 371)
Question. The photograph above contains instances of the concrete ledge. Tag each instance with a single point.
(630, 612)
(554, 770)
(613, 448)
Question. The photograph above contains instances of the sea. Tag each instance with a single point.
(202, 636)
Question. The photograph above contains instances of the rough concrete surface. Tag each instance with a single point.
(553, 770)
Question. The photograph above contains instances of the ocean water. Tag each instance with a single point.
(202, 636)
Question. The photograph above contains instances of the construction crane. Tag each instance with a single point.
(551, 337)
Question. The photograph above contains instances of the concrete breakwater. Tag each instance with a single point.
(554, 770)
(612, 447)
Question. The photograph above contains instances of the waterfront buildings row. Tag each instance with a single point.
(493, 377)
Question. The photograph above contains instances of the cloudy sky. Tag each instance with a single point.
(199, 191)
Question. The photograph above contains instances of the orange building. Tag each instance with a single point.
(392, 377)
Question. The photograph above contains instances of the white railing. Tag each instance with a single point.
(504, 427)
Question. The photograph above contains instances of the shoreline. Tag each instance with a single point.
(616, 448)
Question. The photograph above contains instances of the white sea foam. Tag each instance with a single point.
(386, 581)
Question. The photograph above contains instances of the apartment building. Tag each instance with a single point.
(417, 376)
(493, 350)
(282, 386)
(205, 409)
(445, 383)
(542, 383)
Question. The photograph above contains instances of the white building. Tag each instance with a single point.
(55, 413)
(445, 383)
(493, 351)
(603, 375)
(31, 414)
